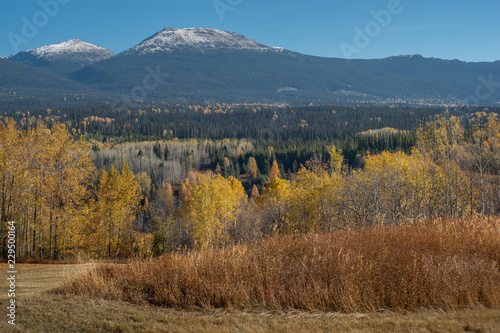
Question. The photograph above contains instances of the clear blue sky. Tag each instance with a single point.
(468, 30)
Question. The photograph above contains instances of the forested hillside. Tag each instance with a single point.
(24, 87)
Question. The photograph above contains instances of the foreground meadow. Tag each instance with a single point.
(62, 313)
(434, 276)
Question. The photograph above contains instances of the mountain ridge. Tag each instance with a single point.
(263, 46)
(205, 64)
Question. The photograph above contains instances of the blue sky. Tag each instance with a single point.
(468, 30)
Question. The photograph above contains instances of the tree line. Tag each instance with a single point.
(269, 123)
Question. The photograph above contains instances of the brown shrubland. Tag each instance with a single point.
(438, 264)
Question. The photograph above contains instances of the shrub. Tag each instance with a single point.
(444, 264)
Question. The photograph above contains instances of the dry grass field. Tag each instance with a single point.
(458, 281)
(440, 264)
(35, 278)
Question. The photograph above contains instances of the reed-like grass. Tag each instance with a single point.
(435, 264)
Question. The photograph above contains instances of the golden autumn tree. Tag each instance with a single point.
(162, 211)
(101, 216)
(389, 180)
(336, 159)
(68, 178)
(118, 199)
(44, 175)
(274, 202)
(275, 171)
(380, 191)
(479, 151)
(394, 186)
(40, 157)
(213, 208)
(252, 168)
(441, 152)
(12, 172)
(255, 192)
(315, 201)
(493, 128)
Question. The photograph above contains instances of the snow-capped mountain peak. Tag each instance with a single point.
(74, 46)
(170, 39)
(63, 58)
(73, 50)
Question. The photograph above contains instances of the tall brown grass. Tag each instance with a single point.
(435, 264)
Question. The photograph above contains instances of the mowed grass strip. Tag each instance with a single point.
(443, 264)
(70, 313)
(34, 278)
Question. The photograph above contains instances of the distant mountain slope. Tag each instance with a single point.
(214, 75)
(418, 78)
(22, 86)
(63, 58)
(212, 65)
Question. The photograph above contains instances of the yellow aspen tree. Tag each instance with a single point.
(40, 161)
(102, 216)
(185, 190)
(32, 192)
(358, 199)
(252, 168)
(144, 182)
(480, 151)
(213, 209)
(162, 211)
(315, 202)
(11, 176)
(41, 167)
(129, 198)
(50, 174)
(493, 128)
(389, 175)
(274, 201)
(69, 178)
(275, 171)
(117, 203)
(430, 145)
(255, 192)
(336, 159)
(439, 143)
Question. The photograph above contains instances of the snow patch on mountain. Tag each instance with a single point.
(72, 50)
